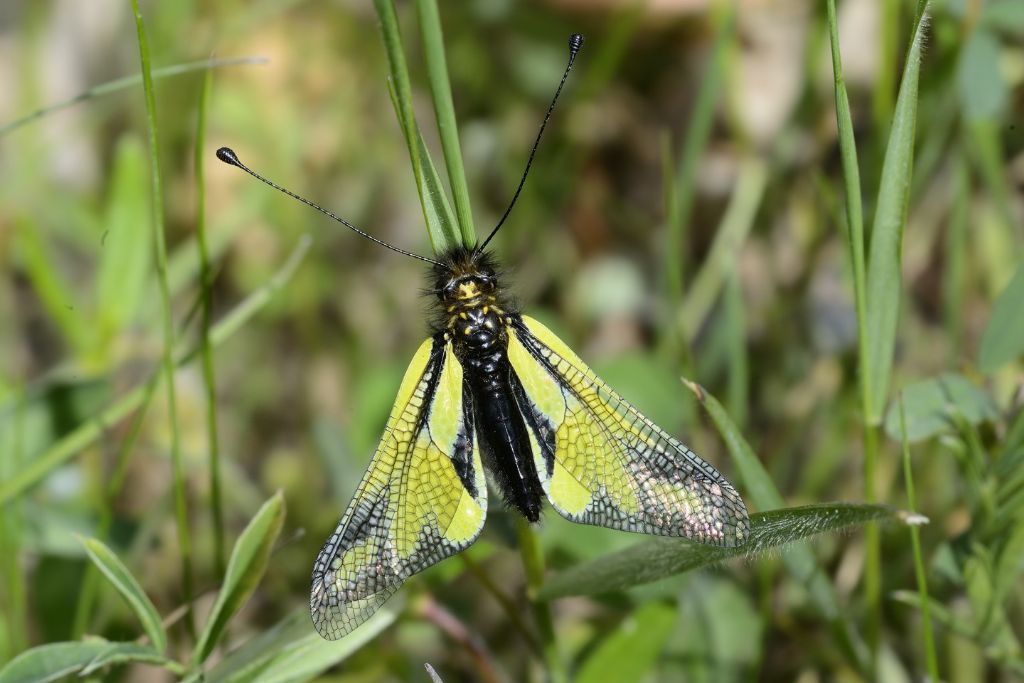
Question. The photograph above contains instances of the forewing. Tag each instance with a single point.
(422, 499)
(601, 462)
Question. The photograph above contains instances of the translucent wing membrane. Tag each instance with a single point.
(422, 499)
(601, 462)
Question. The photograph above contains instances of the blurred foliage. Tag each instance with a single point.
(686, 214)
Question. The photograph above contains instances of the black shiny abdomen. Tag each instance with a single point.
(481, 345)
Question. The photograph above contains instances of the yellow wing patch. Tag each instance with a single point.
(422, 499)
(601, 462)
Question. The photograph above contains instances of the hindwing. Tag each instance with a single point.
(601, 462)
(423, 497)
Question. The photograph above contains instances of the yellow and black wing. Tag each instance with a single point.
(422, 499)
(601, 462)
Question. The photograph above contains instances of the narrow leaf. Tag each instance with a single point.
(444, 110)
(126, 245)
(124, 653)
(1003, 339)
(57, 661)
(799, 560)
(246, 566)
(630, 652)
(663, 557)
(293, 651)
(442, 234)
(129, 588)
(932, 404)
(886, 239)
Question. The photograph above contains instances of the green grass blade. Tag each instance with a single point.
(533, 564)
(1003, 338)
(444, 110)
(660, 558)
(206, 285)
(129, 588)
(87, 433)
(127, 251)
(245, 568)
(292, 651)
(443, 235)
(799, 560)
(915, 541)
(130, 653)
(885, 251)
(160, 242)
(125, 83)
(441, 221)
(733, 231)
(854, 202)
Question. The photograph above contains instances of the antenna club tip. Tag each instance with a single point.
(575, 42)
(228, 156)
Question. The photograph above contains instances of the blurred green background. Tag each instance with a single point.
(682, 122)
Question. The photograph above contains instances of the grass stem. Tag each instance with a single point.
(533, 563)
(160, 242)
(206, 296)
(931, 659)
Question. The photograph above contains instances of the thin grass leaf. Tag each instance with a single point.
(440, 219)
(854, 202)
(1003, 338)
(160, 242)
(126, 249)
(732, 232)
(886, 241)
(660, 558)
(46, 277)
(88, 432)
(444, 110)
(125, 83)
(245, 568)
(533, 564)
(127, 653)
(799, 560)
(55, 661)
(129, 588)
(631, 651)
(292, 651)
(206, 285)
(443, 234)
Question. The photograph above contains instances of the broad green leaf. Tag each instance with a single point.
(126, 245)
(1003, 339)
(663, 557)
(983, 92)
(245, 568)
(56, 661)
(122, 579)
(630, 652)
(930, 405)
(886, 239)
(293, 651)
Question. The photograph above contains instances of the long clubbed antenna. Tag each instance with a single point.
(228, 156)
(575, 43)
